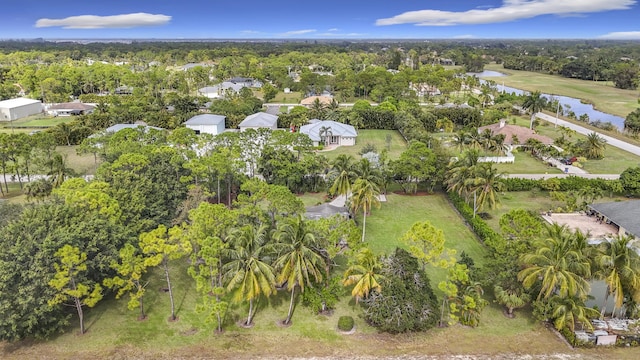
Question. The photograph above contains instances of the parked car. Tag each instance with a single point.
(569, 160)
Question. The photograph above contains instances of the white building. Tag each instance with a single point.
(258, 121)
(18, 108)
(206, 124)
(332, 132)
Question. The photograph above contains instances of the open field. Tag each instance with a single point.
(375, 138)
(385, 226)
(603, 95)
(526, 164)
(293, 97)
(82, 164)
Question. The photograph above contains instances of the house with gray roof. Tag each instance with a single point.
(117, 127)
(218, 91)
(258, 121)
(206, 124)
(330, 132)
(70, 108)
(623, 214)
(326, 210)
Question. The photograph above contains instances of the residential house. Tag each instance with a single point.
(514, 132)
(326, 210)
(424, 89)
(206, 124)
(332, 132)
(70, 108)
(117, 127)
(258, 121)
(624, 215)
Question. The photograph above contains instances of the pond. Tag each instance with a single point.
(567, 103)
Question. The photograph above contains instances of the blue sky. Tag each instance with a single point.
(337, 19)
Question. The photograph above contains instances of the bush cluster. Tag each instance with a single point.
(345, 323)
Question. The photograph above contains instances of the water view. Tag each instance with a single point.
(568, 103)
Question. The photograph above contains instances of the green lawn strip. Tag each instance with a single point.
(603, 95)
(84, 164)
(293, 98)
(375, 138)
(526, 164)
(385, 227)
(312, 199)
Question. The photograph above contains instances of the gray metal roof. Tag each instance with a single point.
(337, 129)
(17, 102)
(325, 210)
(205, 119)
(261, 119)
(625, 214)
(117, 127)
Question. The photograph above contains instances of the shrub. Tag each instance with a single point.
(345, 323)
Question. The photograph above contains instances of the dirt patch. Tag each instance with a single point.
(189, 332)
(585, 223)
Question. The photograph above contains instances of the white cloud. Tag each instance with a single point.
(250, 32)
(298, 32)
(510, 10)
(333, 29)
(621, 35)
(101, 22)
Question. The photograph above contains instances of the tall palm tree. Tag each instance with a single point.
(365, 274)
(300, 262)
(534, 103)
(486, 184)
(594, 146)
(363, 169)
(460, 140)
(342, 166)
(365, 195)
(619, 266)
(556, 266)
(247, 273)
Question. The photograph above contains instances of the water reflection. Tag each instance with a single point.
(574, 104)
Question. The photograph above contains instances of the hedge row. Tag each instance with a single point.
(562, 184)
(486, 234)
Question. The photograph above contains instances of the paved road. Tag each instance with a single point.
(581, 130)
(547, 176)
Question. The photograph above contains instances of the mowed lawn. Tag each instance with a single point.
(385, 226)
(377, 138)
(603, 95)
(526, 164)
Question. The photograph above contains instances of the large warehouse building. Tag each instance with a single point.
(18, 108)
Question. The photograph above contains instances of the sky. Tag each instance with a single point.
(326, 19)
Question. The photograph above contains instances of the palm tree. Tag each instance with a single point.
(247, 272)
(365, 274)
(342, 167)
(365, 195)
(485, 185)
(620, 268)
(534, 102)
(567, 311)
(556, 266)
(58, 170)
(460, 140)
(594, 146)
(363, 169)
(325, 132)
(300, 263)
(510, 299)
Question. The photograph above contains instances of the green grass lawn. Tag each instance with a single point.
(526, 164)
(293, 97)
(603, 95)
(385, 226)
(82, 164)
(375, 138)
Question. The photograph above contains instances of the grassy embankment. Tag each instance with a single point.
(603, 95)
